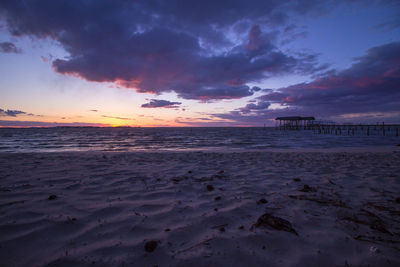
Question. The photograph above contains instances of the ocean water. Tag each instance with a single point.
(180, 139)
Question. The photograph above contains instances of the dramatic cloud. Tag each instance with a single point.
(8, 47)
(155, 103)
(200, 50)
(371, 84)
(13, 113)
(370, 88)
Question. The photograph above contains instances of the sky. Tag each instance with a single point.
(198, 63)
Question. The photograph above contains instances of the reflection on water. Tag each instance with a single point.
(175, 139)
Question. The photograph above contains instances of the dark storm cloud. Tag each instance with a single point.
(162, 60)
(8, 47)
(155, 103)
(163, 46)
(369, 88)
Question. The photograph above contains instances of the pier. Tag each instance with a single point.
(309, 123)
(358, 129)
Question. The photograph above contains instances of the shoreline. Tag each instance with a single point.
(368, 149)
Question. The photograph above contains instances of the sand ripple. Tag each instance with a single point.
(200, 208)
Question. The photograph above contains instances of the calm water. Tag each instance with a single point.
(177, 139)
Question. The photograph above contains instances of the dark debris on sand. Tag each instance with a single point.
(275, 222)
(322, 200)
(71, 220)
(177, 179)
(150, 246)
(367, 218)
(262, 201)
(307, 188)
(51, 197)
(210, 187)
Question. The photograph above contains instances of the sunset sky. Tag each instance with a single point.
(197, 63)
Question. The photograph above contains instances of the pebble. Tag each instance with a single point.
(51, 197)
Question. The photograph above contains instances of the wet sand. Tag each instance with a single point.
(200, 209)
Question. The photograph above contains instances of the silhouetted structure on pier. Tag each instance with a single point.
(295, 122)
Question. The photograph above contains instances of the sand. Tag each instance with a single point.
(200, 209)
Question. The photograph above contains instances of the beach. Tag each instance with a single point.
(257, 208)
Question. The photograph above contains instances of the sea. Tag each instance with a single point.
(62, 139)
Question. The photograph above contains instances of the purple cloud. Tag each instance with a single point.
(155, 103)
(370, 84)
(13, 113)
(261, 105)
(8, 47)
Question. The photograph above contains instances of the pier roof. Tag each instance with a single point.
(295, 118)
